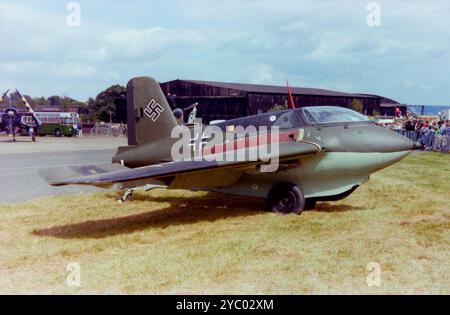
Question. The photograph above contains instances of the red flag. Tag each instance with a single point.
(291, 100)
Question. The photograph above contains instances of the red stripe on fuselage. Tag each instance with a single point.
(253, 141)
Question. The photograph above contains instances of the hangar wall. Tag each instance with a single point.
(222, 100)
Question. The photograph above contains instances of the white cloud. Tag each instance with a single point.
(332, 44)
(254, 41)
(295, 26)
(38, 69)
(261, 74)
(67, 70)
(146, 43)
(111, 76)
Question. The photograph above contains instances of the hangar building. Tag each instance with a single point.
(221, 100)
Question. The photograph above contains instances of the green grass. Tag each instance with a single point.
(199, 243)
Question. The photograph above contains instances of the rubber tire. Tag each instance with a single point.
(310, 204)
(57, 133)
(286, 198)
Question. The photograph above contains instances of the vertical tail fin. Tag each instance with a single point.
(149, 114)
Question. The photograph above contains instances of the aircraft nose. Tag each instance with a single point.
(418, 146)
(397, 142)
(385, 140)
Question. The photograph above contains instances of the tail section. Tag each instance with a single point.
(149, 115)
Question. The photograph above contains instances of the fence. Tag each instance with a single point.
(115, 130)
(429, 139)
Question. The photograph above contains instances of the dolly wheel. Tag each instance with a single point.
(286, 198)
(127, 196)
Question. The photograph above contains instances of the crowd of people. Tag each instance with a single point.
(433, 135)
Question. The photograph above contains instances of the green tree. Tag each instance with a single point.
(54, 100)
(357, 105)
(104, 107)
(278, 107)
(15, 100)
(40, 100)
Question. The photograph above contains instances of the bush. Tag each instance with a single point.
(357, 105)
(278, 107)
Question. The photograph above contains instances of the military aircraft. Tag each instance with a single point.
(11, 119)
(323, 153)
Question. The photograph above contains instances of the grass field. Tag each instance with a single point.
(185, 242)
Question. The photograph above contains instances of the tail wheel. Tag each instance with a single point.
(286, 198)
(58, 132)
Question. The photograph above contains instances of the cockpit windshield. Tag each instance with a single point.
(290, 119)
(331, 114)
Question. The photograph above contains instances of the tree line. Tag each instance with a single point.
(108, 106)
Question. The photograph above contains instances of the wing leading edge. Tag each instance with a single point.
(102, 178)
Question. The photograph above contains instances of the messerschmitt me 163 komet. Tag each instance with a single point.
(322, 153)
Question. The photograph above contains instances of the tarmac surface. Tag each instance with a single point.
(21, 160)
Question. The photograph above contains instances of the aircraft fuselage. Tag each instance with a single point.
(349, 152)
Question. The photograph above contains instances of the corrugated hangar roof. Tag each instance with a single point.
(275, 89)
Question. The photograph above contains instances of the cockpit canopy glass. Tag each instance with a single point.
(331, 114)
(289, 119)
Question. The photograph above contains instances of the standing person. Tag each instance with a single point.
(409, 129)
(446, 135)
(31, 134)
(75, 129)
(440, 134)
(171, 100)
(418, 128)
(80, 130)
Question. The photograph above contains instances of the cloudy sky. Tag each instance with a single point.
(326, 44)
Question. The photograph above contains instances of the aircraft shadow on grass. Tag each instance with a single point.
(180, 212)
